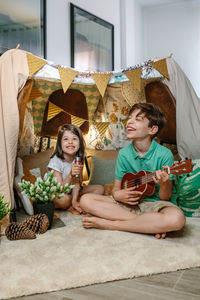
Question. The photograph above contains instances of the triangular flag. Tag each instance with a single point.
(77, 121)
(124, 122)
(161, 66)
(102, 127)
(101, 81)
(53, 110)
(66, 76)
(135, 77)
(34, 63)
(35, 93)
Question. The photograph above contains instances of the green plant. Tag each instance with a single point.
(44, 190)
(4, 208)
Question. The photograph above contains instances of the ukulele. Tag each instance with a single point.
(143, 180)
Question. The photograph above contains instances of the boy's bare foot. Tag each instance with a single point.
(93, 222)
(160, 235)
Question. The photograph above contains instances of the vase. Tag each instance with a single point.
(46, 208)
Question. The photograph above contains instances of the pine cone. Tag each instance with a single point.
(38, 223)
(16, 231)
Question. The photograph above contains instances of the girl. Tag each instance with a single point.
(70, 144)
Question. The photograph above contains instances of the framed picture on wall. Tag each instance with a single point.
(23, 22)
(92, 42)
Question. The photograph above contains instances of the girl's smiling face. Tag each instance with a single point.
(70, 143)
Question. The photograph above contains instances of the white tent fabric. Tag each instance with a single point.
(187, 111)
(13, 75)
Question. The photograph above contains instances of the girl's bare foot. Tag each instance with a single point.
(94, 222)
(161, 235)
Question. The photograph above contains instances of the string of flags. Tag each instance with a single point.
(101, 79)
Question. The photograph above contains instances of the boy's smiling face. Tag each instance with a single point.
(138, 126)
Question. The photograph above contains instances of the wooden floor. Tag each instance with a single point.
(180, 285)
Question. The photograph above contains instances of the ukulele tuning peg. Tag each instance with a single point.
(180, 176)
(186, 158)
(188, 175)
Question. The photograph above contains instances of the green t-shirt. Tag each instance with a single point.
(156, 157)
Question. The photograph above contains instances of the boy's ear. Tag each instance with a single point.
(153, 130)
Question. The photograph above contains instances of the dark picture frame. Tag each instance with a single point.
(92, 41)
(23, 22)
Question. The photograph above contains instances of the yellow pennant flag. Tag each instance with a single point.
(161, 66)
(35, 93)
(102, 127)
(101, 81)
(53, 111)
(66, 76)
(135, 77)
(34, 63)
(124, 122)
(77, 121)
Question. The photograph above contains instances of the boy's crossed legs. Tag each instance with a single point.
(108, 214)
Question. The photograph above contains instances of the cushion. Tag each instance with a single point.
(38, 160)
(30, 175)
(102, 171)
(104, 154)
(188, 189)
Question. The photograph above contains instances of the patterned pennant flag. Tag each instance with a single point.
(53, 111)
(135, 77)
(124, 122)
(35, 93)
(101, 81)
(66, 76)
(77, 121)
(34, 63)
(102, 127)
(161, 66)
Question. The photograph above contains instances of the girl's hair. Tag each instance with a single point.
(75, 130)
(152, 112)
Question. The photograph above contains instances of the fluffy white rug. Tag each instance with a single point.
(71, 256)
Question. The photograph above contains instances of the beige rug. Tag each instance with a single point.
(71, 256)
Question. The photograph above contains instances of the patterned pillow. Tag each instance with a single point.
(30, 175)
(188, 189)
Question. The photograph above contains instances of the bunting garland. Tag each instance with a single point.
(34, 63)
(53, 110)
(77, 121)
(161, 67)
(66, 76)
(124, 122)
(35, 93)
(135, 77)
(102, 127)
(101, 80)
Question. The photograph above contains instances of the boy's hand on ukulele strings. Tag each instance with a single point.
(161, 177)
(128, 196)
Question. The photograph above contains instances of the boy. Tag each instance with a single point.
(129, 209)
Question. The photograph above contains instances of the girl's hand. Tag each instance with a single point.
(77, 207)
(128, 196)
(77, 170)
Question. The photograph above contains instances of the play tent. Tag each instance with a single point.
(38, 96)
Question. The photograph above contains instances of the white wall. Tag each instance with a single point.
(58, 26)
(131, 33)
(174, 28)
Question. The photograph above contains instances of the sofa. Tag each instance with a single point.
(99, 168)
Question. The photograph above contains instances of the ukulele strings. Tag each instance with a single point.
(141, 180)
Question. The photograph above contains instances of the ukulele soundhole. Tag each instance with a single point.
(137, 182)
